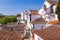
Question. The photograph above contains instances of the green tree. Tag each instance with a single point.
(8, 19)
(18, 15)
(4, 20)
(1, 15)
(58, 10)
(13, 19)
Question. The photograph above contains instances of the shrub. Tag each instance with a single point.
(8, 19)
(58, 10)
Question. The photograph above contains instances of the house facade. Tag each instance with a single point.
(28, 16)
(48, 10)
(39, 23)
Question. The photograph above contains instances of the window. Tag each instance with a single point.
(51, 8)
(42, 26)
(44, 7)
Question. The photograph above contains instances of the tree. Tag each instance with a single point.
(13, 19)
(18, 15)
(7, 19)
(1, 15)
(58, 10)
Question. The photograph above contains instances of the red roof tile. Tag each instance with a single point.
(52, 2)
(10, 35)
(34, 12)
(53, 22)
(49, 33)
(39, 21)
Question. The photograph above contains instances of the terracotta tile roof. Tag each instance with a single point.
(53, 22)
(14, 27)
(39, 21)
(12, 23)
(9, 35)
(15, 24)
(19, 28)
(52, 1)
(34, 12)
(49, 33)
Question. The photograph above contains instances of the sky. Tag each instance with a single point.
(13, 7)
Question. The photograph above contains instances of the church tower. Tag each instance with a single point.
(48, 10)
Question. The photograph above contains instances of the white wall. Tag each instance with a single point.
(56, 17)
(22, 16)
(38, 26)
(47, 4)
(43, 12)
(18, 19)
(54, 8)
(37, 37)
(47, 25)
(33, 17)
(29, 25)
(22, 21)
(48, 10)
(25, 17)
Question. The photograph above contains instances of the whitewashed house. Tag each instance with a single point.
(39, 23)
(49, 33)
(28, 16)
(48, 10)
(22, 19)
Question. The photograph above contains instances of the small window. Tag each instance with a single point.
(51, 8)
(42, 26)
(44, 7)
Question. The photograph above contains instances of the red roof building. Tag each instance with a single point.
(49, 33)
(10, 35)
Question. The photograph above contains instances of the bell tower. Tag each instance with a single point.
(48, 9)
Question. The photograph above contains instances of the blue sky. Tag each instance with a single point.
(13, 7)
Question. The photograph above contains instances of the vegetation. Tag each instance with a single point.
(18, 15)
(58, 10)
(7, 19)
(1, 15)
